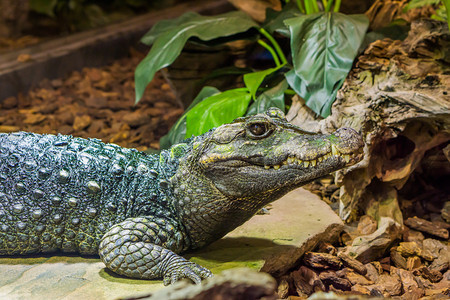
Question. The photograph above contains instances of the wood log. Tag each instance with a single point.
(322, 261)
(353, 263)
(398, 260)
(306, 281)
(427, 226)
(330, 278)
(431, 275)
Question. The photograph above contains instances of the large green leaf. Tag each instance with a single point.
(167, 44)
(275, 19)
(323, 47)
(253, 80)
(273, 97)
(178, 131)
(217, 110)
(165, 25)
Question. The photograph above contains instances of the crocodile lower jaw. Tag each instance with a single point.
(349, 159)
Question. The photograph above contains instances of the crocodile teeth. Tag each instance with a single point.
(292, 160)
(334, 150)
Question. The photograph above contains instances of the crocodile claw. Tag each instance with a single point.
(186, 269)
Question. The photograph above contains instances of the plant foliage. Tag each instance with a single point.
(322, 55)
(178, 131)
(169, 37)
(442, 12)
(323, 45)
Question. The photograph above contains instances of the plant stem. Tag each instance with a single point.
(315, 6)
(337, 5)
(243, 89)
(275, 45)
(271, 50)
(328, 6)
(447, 8)
(300, 6)
(308, 7)
(290, 92)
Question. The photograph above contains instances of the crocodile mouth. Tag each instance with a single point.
(292, 161)
(327, 159)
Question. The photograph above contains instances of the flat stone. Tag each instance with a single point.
(295, 224)
(274, 243)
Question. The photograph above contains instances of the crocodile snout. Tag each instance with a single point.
(350, 141)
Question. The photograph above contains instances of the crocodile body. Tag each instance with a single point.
(138, 211)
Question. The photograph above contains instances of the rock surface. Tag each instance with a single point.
(233, 284)
(294, 225)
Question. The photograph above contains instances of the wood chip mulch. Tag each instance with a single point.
(414, 266)
(96, 103)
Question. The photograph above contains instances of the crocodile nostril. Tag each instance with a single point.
(347, 133)
(343, 132)
(350, 138)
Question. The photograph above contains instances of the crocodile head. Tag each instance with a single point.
(242, 166)
(264, 154)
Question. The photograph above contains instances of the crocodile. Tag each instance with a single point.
(138, 211)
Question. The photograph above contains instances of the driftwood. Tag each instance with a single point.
(398, 97)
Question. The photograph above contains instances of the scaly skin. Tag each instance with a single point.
(138, 211)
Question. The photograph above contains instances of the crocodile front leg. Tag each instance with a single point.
(144, 247)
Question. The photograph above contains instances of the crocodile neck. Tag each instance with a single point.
(205, 212)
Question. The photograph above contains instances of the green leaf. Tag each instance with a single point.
(46, 7)
(253, 80)
(441, 14)
(273, 97)
(167, 45)
(217, 110)
(275, 19)
(178, 131)
(165, 25)
(323, 47)
(419, 3)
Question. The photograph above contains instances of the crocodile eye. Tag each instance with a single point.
(258, 129)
